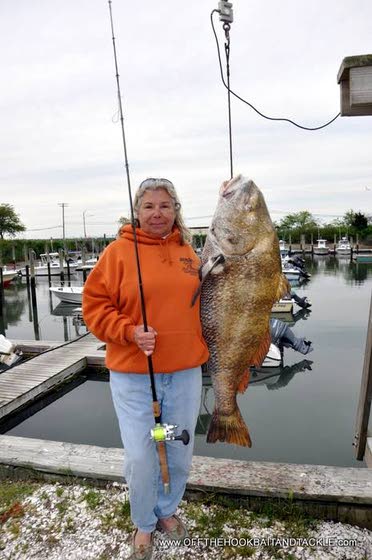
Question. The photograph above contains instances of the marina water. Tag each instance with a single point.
(303, 413)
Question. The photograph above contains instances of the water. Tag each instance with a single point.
(305, 413)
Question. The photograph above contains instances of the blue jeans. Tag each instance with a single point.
(179, 396)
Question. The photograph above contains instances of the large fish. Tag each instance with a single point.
(241, 279)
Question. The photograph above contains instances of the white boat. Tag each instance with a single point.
(68, 294)
(283, 249)
(291, 272)
(343, 247)
(321, 248)
(8, 276)
(41, 269)
(283, 306)
(9, 355)
(273, 358)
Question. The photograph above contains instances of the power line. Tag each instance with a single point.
(45, 228)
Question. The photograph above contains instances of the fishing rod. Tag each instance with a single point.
(160, 433)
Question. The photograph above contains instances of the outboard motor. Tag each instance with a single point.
(282, 335)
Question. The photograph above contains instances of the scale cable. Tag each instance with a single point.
(230, 91)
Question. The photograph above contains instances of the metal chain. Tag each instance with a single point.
(226, 28)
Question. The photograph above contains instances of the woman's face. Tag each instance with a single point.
(156, 213)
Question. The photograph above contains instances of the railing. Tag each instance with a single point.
(365, 396)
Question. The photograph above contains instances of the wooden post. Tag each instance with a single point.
(303, 243)
(32, 264)
(2, 325)
(48, 263)
(1, 291)
(83, 255)
(33, 295)
(61, 269)
(14, 256)
(290, 245)
(365, 395)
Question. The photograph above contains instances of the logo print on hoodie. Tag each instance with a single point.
(188, 266)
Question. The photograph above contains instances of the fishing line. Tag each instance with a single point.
(227, 86)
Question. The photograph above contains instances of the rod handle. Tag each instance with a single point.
(163, 465)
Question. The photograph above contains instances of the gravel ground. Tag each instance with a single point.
(77, 522)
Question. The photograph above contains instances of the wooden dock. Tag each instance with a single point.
(57, 362)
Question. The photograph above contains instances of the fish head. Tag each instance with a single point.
(241, 220)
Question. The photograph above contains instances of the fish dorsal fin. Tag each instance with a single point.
(284, 287)
(205, 271)
(262, 350)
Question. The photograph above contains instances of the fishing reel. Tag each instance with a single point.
(166, 432)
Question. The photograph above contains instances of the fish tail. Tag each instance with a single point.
(230, 429)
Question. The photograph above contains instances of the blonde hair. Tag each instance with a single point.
(152, 184)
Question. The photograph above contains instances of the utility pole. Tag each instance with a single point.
(63, 204)
(85, 231)
(84, 224)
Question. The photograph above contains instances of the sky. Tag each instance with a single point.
(60, 136)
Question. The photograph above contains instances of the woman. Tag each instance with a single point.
(112, 311)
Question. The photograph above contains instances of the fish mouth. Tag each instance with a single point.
(229, 188)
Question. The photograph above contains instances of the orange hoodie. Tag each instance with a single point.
(111, 303)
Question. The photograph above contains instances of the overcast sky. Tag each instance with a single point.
(61, 142)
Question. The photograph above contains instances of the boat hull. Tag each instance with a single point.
(282, 306)
(68, 294)
(363, 259)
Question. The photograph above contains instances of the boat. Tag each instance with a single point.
(283, 306)
(291, 318)
(41, 269)
(9, 354)
(321, 248)
(343, 247)
(284, 252)
(8, 276)
(68, 294)
(292, 271)
(363, 258)
(273, 358)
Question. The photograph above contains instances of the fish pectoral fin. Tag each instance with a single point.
(229, 428)
(262, 350)
(214, 265)
(284, 287)
(244, 381)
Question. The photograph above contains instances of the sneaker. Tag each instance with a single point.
(142, 551)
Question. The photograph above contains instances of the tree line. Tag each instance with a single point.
(351, 224)
(293, 225)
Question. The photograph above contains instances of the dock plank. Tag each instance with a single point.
(32, 378)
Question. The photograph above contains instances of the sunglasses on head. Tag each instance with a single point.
(150, 180)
